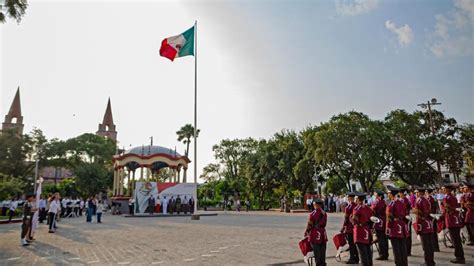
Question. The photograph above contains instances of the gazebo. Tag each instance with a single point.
(149, 160)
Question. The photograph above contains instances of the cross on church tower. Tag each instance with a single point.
(14, 119)
(107, 128)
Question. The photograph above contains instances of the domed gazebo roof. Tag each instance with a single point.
(152, 150)
(146, 156)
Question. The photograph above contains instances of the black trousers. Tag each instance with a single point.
(455, 234)
(399, 251)
(365, 254)
(24, 227)
(52, 220)
(428, 248)
(382, 241)
(353, 255)
(435, 236)
(319, 251)
(470, 231)
(408, 239)
(11, 215)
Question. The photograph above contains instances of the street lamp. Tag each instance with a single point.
(428, 106)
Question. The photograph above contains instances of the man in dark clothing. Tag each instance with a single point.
(151, 205)
(27, 214)
(191, 205)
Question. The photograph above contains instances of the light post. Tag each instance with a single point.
(428, 106)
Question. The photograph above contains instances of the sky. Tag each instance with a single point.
(263, 66)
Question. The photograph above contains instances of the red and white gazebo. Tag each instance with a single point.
(149, 160)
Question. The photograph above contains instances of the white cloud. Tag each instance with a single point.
(452, 34)
(405, 34)
(355, 7)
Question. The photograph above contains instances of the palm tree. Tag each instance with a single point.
(185, 134)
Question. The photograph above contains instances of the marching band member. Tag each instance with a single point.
(433, 210)
(468, 204)
(423, 225)
(453, 223)
(362, 231)
(407, 208)
(347, 229)
(378, 207)
(316, 230)
(396, 227)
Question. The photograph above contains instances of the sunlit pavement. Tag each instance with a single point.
(257, 238)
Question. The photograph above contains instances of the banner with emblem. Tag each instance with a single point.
(161, 192)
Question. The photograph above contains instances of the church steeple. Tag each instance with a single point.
(14, 119)
(107, 128)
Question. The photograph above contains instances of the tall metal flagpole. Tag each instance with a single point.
(195, 114)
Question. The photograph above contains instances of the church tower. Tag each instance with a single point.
(14, 119)
(107, 128)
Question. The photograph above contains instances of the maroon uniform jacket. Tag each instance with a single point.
(347, 227)
(406, 208)
(361, 217)
(432, 202)
(469, 204)
(318, 219)
(452, 218)
(378, 207)
(396, 225)
(423, 223)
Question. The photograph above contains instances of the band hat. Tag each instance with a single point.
(318, 201)
(350, 194)
(393, 190)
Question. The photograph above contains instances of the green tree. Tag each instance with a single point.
(15, 9)
(92, 178)
(10, 186)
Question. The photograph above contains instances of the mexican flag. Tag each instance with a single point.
(179, 45)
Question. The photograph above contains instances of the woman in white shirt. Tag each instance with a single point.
(100, 208)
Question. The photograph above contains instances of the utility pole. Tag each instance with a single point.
(428, 106)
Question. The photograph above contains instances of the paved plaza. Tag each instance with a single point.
(256, 238)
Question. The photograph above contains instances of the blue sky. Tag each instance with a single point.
(263, 65)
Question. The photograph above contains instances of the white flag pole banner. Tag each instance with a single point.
(146, 190)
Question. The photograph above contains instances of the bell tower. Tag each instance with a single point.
(107, 128)
(14, 119)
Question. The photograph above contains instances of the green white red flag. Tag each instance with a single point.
(179, 45)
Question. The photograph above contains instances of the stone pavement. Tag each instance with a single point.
(255, 238)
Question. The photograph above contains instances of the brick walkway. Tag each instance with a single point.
(258, 238)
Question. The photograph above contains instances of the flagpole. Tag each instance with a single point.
(195, 114)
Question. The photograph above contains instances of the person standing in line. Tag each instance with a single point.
(469, 216)
(309, 204)
(433, 210)
(185, 205)
(178, 204)
(42, 209)
(238, 205)
(191, 204)
(453, 222)
(27, 214)
(407, 208)
(164, 205)
(362, 232)
(52, 212)
(348, 229)
(247, 205)
(130, 206)
(100, 208)
(423, 226)
(171, 205)
(90, 208)
(12, 208)
(396, 227)
(151, 204)
(316, 230)
(81, 206)
(379, 207)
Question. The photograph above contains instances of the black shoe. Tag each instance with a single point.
(458, 261)
(382, 258)
(352, 262)
(50, 231)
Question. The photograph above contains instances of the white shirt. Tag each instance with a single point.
(13, 205)
(42, 204)
(100, 207)
(54, 206)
